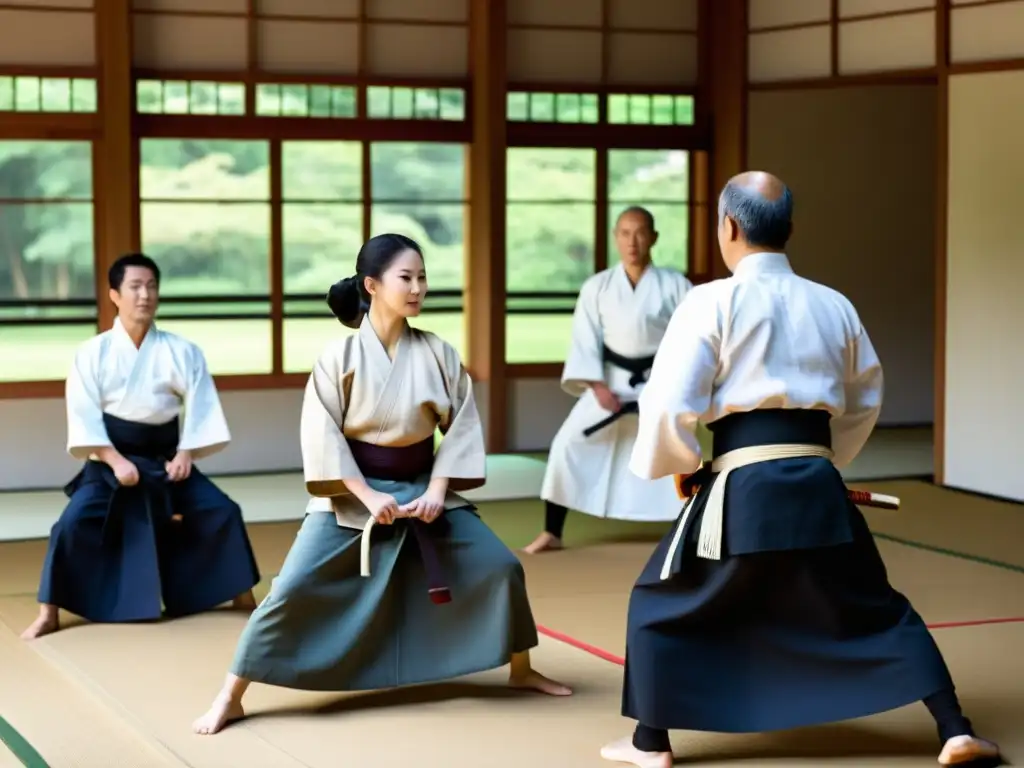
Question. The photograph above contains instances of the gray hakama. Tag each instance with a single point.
(324, 627)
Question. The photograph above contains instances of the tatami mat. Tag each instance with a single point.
(128, 693)
(943, 589)
(58, 717)
(985, 528)
(7, 758)
(158, 678)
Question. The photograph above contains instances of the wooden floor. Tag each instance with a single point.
(111, 696)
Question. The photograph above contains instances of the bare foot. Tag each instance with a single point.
(43, 625)
(966, 749)
(225, 710)
(623, 751)
(245, 602)
(546, 542)
(533, 680)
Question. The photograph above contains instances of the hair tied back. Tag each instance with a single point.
(346, 301)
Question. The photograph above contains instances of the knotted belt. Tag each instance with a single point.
(709, 543)
(405, 464)
(638, 368)
(437, 590)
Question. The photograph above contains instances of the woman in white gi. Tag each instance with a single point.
(426, 591)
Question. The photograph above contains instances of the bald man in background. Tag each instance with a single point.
(618, 322)
(768, 606)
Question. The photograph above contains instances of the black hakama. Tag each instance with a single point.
(117, 552)
(795, 625)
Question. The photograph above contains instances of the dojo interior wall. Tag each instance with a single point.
(861, 164)
(984, 361)
(816, 70)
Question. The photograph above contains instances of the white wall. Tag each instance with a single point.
(984, 406)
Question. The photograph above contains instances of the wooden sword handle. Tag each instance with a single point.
(869, 499)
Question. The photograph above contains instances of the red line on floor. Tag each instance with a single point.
(976, 623)
(593, 650)
(600, 653)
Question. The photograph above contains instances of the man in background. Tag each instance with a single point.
(144, 528)
(618, 323)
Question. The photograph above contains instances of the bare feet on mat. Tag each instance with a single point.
(967, 749)
(244, 602)
(623, 751)
(46, 623)
(546, 542)
(225, 710)
(531, 679)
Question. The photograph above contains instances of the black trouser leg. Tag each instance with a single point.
(554, 518)
(648, 739)
(945, 708)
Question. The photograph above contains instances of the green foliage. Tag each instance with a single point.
(206, 215)
(46, 248)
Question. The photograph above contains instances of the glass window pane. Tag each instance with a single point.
(685, 110)
(322, 171)
(175, 97)
(663, 110)
(202, 98)
(294, 101)
(343, 101)
(635, 175)
(6, 93)
(268, 99)
(47, 257)
(321, 241)
(46, 170)
(542, 107)
(439, 228)
(231, 347)
(209, 248)
(536, 174)
(40, 352)
(407, 172)
(537, 338)
(46, 250)
(453, 104)
(550, 247)
(204, 169)
(304, 338)
(55, 94)
(27, 94)
(231, 99)
(450, 326)
(517, 106)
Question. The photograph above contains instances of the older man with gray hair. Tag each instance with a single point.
(768, 607)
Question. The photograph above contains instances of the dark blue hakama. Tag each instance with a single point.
(796, 625)
(116, 554)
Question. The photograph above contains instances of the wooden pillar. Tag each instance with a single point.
(485, 252)
(727, 98)
(114, 156)
(942, 19)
